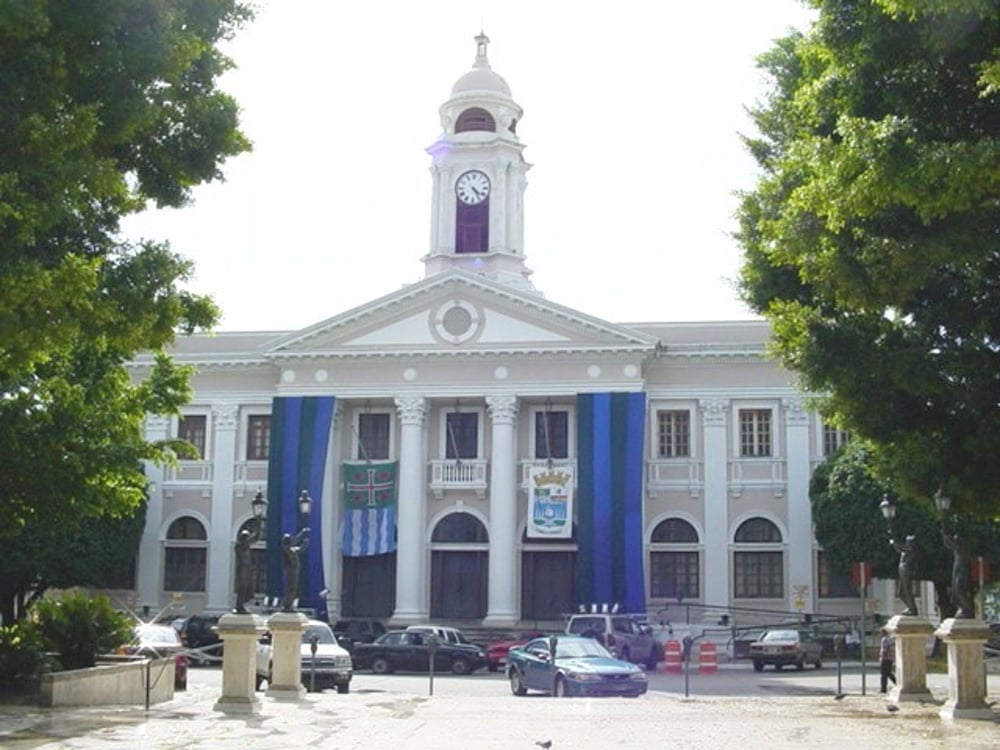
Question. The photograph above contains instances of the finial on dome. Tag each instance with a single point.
(481, 43)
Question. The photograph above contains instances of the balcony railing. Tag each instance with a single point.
(683, 474)
(757, 473)
(459, 474)
(189, 472)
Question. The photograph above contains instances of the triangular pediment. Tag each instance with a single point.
(456, 313)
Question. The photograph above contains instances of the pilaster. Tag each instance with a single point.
(220, 556)
(714, 413)
(800, 528)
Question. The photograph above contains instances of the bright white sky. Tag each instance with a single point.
(632, 112)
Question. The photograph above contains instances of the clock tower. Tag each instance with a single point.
(479, 176)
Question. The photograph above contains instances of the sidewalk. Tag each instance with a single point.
(380, 718)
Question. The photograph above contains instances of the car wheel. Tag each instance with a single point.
(516, 686)
(460, 666)
(560, 688)
(380, 665)
(344, 688)
(758, 666)
(801, 664)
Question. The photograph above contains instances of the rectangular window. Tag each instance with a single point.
(673, 575)
(833, 439)
(552, 434)
(833, 585)
(759, 575)
(462, 440)
(191, 427)
(755, 433)
(673, 437)
(258, 437)
(184, 569)
(373, 436)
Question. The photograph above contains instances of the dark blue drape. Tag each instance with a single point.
(610, 438)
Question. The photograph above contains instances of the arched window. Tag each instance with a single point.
(674, 561)
(758, 561)
(475, 118)
(186, 555)
(460, 528)
(258, 557)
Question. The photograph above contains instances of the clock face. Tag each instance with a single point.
(472, 187)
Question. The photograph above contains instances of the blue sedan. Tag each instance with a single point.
(581, 666)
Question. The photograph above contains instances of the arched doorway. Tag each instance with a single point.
(459, 568)
(548, 576)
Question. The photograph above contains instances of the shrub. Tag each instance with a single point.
(22, 654)
(79, 627)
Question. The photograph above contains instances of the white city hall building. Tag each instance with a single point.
(477, 453)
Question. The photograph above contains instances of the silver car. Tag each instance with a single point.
(330, 666)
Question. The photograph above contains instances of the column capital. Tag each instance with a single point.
(225, 416)
(412, 409)
(795, 411)
(502, 408)
(714, 411)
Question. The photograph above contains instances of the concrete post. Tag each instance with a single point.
(966, 670)
(286, 655)
(910, 634)
(239, 658)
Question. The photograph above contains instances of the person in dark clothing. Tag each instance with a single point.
(886, 647)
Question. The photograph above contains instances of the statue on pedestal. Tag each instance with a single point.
(244, 567)
(907, 550)
(291, 548)
(960, 595)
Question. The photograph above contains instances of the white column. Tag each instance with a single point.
(222, 537)
(717, 587)
(502, 603)
(411, 600)
(332, 557)
(800, 529)
(150, 549)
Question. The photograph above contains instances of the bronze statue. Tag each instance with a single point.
(291, 548)
(244, 567)
(907, 553)
(960, 595)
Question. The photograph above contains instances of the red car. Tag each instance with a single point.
(496, 652)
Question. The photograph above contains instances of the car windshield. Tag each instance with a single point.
(158, 635)
(322, 633)
(580, 649)
(780, 635)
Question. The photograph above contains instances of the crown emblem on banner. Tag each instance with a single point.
(551, 477)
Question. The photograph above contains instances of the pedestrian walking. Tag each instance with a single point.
(886, 649)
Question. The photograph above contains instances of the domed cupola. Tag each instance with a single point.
(479, 174)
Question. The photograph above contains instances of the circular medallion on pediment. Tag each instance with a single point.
(457, 321)
(630, 371)
(501, 373)
(409, 374)
(321, 376)
(594, 371)
(288, 376)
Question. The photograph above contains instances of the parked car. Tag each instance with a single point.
(332, 665)
(581, 666)
(160, 641)
(784, 647)
(496, 652)
(444, 633)
(357, 630)
(199, 634)
(625, 636)
(410, 650)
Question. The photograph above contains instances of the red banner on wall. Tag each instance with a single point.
(861, 572)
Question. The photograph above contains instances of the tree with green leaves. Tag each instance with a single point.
(872, 238)
(105, 106)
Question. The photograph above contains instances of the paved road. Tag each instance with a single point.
(733, 708)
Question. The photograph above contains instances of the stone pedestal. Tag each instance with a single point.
(966, 670)
(286, 655)
(911, 635)
(239, 635)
